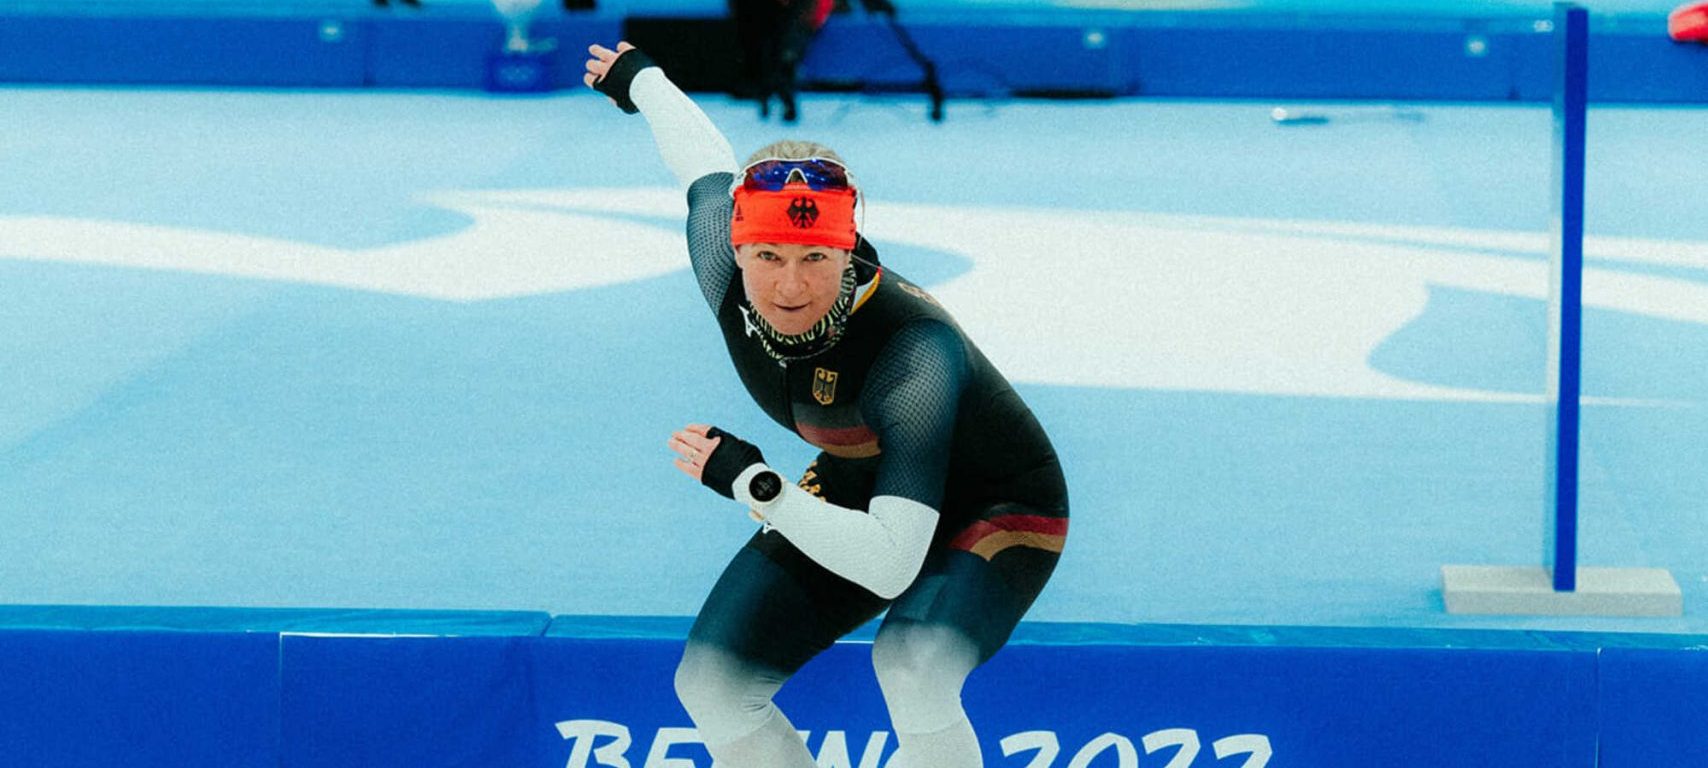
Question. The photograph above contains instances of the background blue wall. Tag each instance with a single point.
(1463, 52)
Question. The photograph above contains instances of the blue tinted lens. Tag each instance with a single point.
(817, 174)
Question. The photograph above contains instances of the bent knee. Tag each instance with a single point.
(916, 661)
(706, 678)
(726, 697)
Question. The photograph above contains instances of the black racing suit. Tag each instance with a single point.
(901, 405)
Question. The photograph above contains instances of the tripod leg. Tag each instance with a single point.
(933, 87)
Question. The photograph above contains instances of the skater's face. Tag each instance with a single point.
(791, 286)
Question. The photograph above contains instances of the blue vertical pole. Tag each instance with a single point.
(1571, 59)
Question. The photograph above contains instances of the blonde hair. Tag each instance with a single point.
(789, 149)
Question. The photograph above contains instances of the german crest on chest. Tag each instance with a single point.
(824, 386)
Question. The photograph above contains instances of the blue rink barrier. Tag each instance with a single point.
(1654, 706)
(1181, 696)
(297, 688)
(138, 697)
(407, 701)
(177, 687)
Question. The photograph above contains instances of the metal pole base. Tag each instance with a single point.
(1529, 591)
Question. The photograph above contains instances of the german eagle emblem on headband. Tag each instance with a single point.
(803, 212)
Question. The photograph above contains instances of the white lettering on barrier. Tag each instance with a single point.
(584, 733)
(833, 753)
(1125, 755)
(659, 755)
(1044, 743)
(1245, 744)
(1184, 738)
(585, 736)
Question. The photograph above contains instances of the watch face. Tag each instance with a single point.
(765, 486)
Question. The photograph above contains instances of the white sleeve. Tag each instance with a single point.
(881, 550)
(690, 145)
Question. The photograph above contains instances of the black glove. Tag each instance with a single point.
(615, 83)
(731, 458)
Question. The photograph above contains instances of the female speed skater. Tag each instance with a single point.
(936, 495)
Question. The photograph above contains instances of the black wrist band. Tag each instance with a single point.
(615, 83)
(731, 458)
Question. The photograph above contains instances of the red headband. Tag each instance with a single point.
(794, 214)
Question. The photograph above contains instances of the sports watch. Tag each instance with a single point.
(765, 487)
